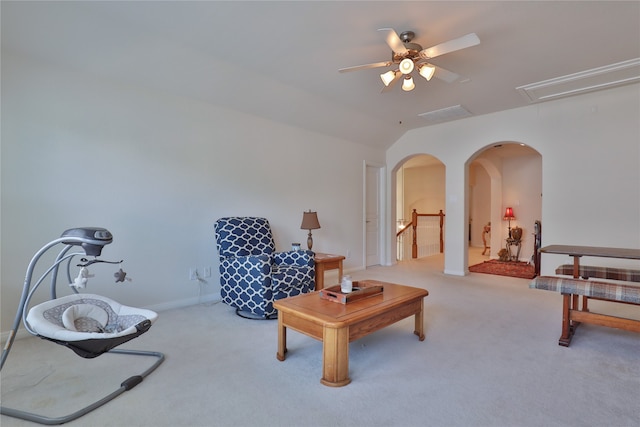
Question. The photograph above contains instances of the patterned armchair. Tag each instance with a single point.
(252, 273)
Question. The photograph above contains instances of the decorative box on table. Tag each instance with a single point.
(361, 289)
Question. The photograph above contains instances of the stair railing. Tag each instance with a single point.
(413, 225)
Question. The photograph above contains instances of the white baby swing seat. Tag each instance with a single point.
(88, 324)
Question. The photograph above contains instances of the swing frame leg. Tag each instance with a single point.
(126, 385)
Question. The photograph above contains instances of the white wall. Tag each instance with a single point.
(157, 171)
(479, 203)
(424, 189)
(590, 147)
(521, 189)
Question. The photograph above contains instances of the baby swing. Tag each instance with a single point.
(88, 324)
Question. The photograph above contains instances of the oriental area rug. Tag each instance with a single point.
(519, 269)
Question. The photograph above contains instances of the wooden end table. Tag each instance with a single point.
(326, 262)
(336, 324)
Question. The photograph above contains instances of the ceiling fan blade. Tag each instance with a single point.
(450, 46)
(445, 75)
(392, 83)
(365, 66)
(394, 42)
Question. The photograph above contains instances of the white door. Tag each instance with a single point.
(372, 215)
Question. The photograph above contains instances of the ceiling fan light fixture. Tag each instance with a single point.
(406, 66)
(388, 77)
(411, 56)
(427, 71)
(407, 84)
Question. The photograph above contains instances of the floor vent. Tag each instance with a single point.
(445, 114)
(618, 74)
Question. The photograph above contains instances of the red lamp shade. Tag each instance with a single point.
(508, 214)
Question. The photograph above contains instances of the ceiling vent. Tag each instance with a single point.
(622, 73)
(445, 114)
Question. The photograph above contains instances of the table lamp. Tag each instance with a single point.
(508, 215)
(310, 222)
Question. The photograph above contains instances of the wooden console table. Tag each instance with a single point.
(579, 251)
(326, 262)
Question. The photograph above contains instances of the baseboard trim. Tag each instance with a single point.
(169, 305)
(454, 272)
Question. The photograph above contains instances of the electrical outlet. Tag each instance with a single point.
(206, 271)
(193, 273)
(348, 253)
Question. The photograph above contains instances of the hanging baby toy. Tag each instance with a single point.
(121, 275)
(80, 282)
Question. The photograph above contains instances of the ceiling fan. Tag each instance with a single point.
(411, 56)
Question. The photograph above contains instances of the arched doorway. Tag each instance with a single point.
(419, 183)
(501, 175)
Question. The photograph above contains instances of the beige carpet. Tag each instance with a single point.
(490, 358)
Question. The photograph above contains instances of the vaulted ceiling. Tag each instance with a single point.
(280, 60)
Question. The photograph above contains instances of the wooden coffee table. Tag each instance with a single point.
(336, 325)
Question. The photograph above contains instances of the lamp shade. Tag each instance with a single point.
(427, 71)
(310, 221)
(408, 84)
(508, 214)
(388, 77)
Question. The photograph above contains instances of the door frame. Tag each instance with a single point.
(382, 219)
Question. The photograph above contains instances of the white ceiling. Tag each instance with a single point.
(280, 60)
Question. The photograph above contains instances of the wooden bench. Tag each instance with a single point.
(625, 292)
(612, 273)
